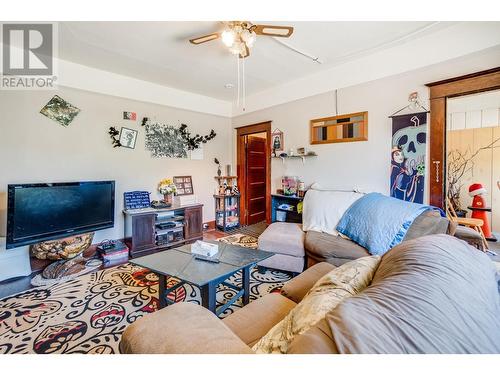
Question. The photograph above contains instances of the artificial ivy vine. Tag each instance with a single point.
(113, 133)
(192, 143)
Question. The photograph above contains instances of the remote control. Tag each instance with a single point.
(206, 259)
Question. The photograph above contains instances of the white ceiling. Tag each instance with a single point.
(160, 52)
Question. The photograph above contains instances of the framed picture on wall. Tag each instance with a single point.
(277, 141)
(128, 137)
(184, 185)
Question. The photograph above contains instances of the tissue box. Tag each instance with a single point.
(204, 248)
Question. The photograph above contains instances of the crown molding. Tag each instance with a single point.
(83, 77)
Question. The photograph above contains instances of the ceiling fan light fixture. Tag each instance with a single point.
(248, 37)
(237, 48)
(228, 37)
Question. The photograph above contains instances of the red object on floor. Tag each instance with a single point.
(478, 207)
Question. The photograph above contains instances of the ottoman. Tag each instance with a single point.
(287, 241)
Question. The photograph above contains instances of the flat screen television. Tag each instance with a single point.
(41, 212)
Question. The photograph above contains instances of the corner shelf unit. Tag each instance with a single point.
(227, 212)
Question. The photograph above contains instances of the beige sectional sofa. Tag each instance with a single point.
(434, 294)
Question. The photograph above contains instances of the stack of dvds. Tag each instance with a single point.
(114, 254)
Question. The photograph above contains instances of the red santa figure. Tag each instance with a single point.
(478, 207)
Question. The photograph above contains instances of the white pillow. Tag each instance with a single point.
(323, 209)
(357, 189)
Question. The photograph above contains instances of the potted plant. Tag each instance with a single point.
(167, 188)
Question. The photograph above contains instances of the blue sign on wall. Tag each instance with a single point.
(136, 199)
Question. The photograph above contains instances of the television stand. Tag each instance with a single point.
(147, 231)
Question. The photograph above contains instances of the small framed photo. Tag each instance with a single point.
(130, 116)
(128, 137)
(184, 185)
(277, 141)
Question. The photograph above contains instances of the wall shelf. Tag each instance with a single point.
(302, 157)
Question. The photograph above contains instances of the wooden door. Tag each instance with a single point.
(256, 173)
(242, 134)
(193, 223)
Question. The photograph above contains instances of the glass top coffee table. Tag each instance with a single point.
(181, 263)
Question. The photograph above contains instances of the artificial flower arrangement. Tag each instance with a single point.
(167, 186)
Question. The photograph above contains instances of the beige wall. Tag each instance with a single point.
(362, 164)
(34, 148)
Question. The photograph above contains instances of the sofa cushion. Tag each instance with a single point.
(201, 332)
(427, 223)
(435, 294)
(471, 236)
(338, 250)
(284, 262)
(316, 340)
(297, 288)
(255, 319)
(326, 247)
(338, 284)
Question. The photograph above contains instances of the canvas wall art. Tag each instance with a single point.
(165, 141)
(128, 137)
(409, 138)
(60, 110)
(277, 141)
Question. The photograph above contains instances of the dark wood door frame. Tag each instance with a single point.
(439, 91)
(261, 127)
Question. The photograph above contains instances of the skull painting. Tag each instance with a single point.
(408, 157)
(412, 141)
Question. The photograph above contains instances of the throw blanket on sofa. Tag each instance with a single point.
(378, 222)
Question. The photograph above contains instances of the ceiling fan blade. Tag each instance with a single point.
(204, 38)
(270, 30)
(246, 53)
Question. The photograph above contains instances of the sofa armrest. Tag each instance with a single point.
(470, 236)
(298, 287)
(182, 328)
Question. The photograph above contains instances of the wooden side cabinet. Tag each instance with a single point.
(145, 232)
(193, 223)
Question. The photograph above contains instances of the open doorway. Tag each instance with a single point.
(254, 172)
(473, 158)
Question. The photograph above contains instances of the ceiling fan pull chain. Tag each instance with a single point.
(238, 67)
(244, 87)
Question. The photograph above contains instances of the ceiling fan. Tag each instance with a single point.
(239, 36)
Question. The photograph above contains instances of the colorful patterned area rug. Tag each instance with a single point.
(88, 314)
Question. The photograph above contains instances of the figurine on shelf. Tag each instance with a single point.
(227, 189)
(235, 190)
(222, 190)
